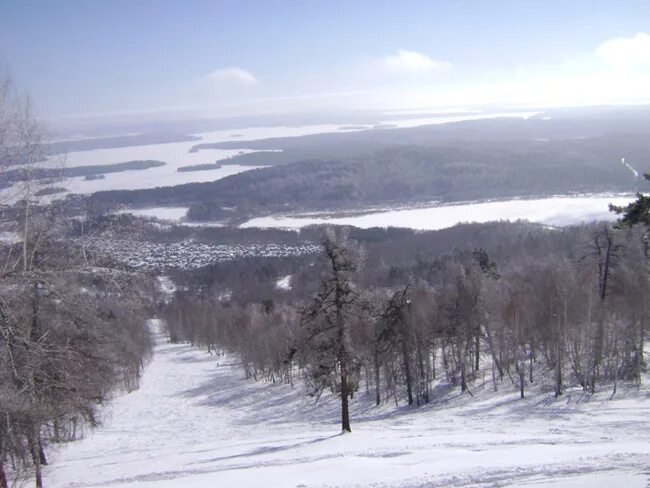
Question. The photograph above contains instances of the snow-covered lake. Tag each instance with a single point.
(447, 119)
(556, 211)
(177, 154)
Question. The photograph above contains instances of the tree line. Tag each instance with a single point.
(71, 333)
(565, 319)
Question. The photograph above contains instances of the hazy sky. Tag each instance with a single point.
(236, 57)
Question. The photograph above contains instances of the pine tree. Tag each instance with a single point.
(329, 316)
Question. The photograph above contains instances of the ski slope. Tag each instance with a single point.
(196, 422)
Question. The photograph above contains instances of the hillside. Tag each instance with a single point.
(195, 421)
(409, 174)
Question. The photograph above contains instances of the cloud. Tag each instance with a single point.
(406, 62)
(626, 52)
(231, 77)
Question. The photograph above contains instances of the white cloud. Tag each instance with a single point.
(412, 62)
(232, 76)
(626, 52)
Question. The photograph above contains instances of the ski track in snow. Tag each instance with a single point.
(196, 422)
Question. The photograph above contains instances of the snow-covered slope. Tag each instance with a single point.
(196, 422)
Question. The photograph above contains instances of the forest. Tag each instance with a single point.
(530, 307)
(54, 173)
(356, 176)
(72, 334)
(393, 314)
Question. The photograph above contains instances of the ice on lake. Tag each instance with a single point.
(556, 211)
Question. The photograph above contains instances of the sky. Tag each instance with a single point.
(248, 57)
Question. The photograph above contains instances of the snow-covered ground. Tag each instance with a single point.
(284, 283)
(196, 422)
(173, 214)
(556, 211)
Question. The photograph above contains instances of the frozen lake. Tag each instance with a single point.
(177, 154)
(447, 119)
(555, 211)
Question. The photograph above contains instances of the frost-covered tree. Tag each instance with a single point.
(328, 318)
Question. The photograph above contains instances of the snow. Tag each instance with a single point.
(174, 214)
(177, 154)
(150, 178)
(174, 154)
(195, 421)
(166, 285)
(556, 211)
(284, 283)
(9, 237)
(419, 121)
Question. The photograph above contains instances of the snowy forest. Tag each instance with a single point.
(566, 308)
(319, 275)
(71, 334)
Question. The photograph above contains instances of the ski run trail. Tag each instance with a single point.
(197, 422)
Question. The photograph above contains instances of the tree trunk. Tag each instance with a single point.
(345, 412)
(3, 476)
(559, 354)
(41, 453)
(532, 359)
(521, 370)
(36, 458)
(407, 372)
(26, 227)
(463, 379)
(640, 364)
(342, 359)
(377, 380)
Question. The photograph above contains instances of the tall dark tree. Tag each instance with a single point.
(637, 212)
(329, 315)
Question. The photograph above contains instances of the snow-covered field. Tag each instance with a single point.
(173, 214)
(556, 211)
(196, 422)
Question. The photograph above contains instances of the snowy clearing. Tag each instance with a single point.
(284, 283)
(197, 422)
(173, 214)
(557, 211)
